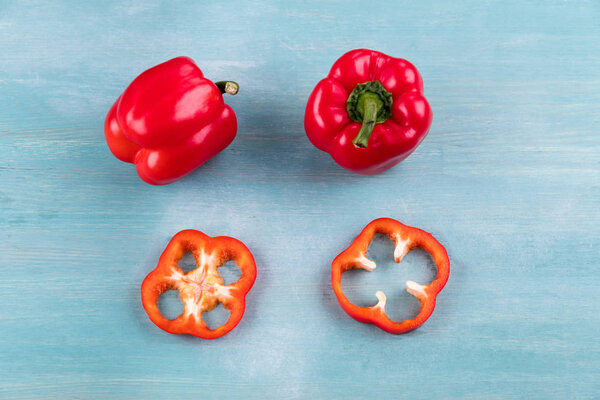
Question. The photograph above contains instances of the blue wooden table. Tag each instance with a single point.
(508, 180)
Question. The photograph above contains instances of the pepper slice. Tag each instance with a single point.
(202, 288)
(405, 238)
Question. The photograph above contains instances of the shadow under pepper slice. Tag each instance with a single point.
(201, 289)
(405, 238)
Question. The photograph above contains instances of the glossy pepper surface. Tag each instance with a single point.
(202, 288)
(369, 113)
(170, 120)
(405, 238)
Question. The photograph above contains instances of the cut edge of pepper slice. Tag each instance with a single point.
(202, 288)
(406, 238)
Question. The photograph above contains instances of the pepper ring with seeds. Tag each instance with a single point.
(200, 289)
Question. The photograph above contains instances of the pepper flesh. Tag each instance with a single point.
(369, 113)
(405, 238)
(170, 120)
(201, 289)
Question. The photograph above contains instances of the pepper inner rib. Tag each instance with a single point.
(401, 248)
(199, 285)
(201, 288)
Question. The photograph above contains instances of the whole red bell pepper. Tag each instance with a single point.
(369, 113)
(170, 120)
(202, 288)
(405, 238)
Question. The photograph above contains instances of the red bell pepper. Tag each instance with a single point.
(369, 113)
(406, 238)
(201, 289)
(170, 120)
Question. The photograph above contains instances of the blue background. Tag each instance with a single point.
(508, 180)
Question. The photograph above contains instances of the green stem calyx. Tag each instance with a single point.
(370, 104)
(229, 87)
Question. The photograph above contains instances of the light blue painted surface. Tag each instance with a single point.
(508, 180)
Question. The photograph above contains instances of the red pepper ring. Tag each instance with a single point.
(200, 289)
(405, 238)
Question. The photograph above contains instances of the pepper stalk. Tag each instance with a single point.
(370, 104)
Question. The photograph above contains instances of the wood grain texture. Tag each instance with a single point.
(508, 180)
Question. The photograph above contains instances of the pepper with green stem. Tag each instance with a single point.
(369, 113)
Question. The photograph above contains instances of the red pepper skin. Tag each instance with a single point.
(169, 121)
(330, 128)
(201, 289)
(406, 239)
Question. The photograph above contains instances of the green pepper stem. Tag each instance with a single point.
(370, 109)
(229, 87)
